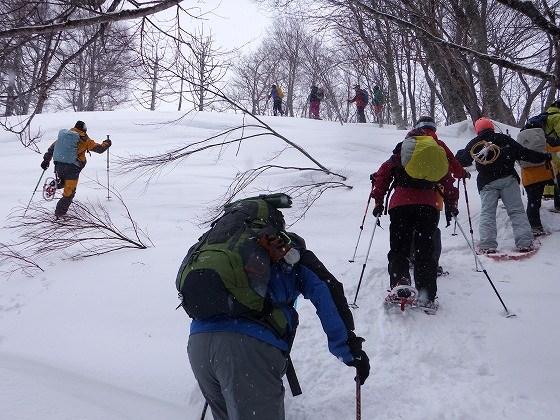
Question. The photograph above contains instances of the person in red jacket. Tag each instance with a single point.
(414, 211)
(361, 99)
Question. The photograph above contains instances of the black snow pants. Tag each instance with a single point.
(416, 223)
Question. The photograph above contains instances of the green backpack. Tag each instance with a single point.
(227, 272)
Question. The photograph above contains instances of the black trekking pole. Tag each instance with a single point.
(358, 397)
(470, 222)
(204, 410)
(34, 191)
(353, 304)
(108, 197)
(361, 230)
(508, 313)
(455, 224)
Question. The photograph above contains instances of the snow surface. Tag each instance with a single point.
(100, 338)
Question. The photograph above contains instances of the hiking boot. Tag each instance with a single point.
(429, 304)
(403, 293)
(525, 248)
(486, 250)
(538, 231)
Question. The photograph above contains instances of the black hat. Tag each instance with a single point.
(273, 86)
(80, 125)
(426, 122)
(375, 87)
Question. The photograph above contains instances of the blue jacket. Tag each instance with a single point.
(286, 284)
(274, 94)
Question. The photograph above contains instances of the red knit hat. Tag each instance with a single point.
(483, 124)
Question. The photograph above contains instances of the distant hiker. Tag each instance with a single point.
(315, 97)
(420, 172)
(276, 93)
(495, 155)
(361, 98)
(542, 134)
(240, 283)
(377, 104)
(69, 155)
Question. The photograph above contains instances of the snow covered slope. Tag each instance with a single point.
(100, 339)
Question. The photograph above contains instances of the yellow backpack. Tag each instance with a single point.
(424, 159)
(280, 92)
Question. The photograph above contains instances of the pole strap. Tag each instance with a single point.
(292, 378)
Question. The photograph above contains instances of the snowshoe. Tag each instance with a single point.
(517, 254)
(401, 296)
(49, 188)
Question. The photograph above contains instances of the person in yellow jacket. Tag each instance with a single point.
(535, 177)
(69, 154)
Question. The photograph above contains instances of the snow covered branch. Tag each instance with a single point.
(70, 24)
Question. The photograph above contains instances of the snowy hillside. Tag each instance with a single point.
(100, 338)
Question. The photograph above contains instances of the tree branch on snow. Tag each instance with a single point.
(151, 164)
(87, 230)
(306, 193)
(12, 261)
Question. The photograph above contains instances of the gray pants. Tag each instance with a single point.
(508, 190)
(240, 377)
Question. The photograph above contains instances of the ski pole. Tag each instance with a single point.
(204, 410)
(471, 246)
(34, 191)
(455, 224)
(361, 230)
(353, 305)
(358, 397)
(470, 222)
(108, 197)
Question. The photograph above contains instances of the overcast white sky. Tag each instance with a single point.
(235, 23)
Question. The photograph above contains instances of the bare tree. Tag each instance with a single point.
(203, 65)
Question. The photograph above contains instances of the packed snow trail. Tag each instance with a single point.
(99, 338)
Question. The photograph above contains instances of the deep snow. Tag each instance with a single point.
(99, 338)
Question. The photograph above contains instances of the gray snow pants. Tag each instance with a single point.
(240, 376)
(508, 190)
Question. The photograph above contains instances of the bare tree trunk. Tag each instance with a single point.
(181, 88)
(154, 84)
(92, 82)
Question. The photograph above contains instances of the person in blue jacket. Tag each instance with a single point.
(239, 362)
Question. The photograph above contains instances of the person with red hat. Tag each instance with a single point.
(495, 155)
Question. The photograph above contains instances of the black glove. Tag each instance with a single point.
(466, 175)
(361, 360)
(361, 363)
(548, 157)
(45, 165)
(451, 211)
(378, 210)
(372, 177)
(107, 143)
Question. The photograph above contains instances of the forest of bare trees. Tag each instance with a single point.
(454, 59)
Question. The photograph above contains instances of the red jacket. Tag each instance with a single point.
(410, 195)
